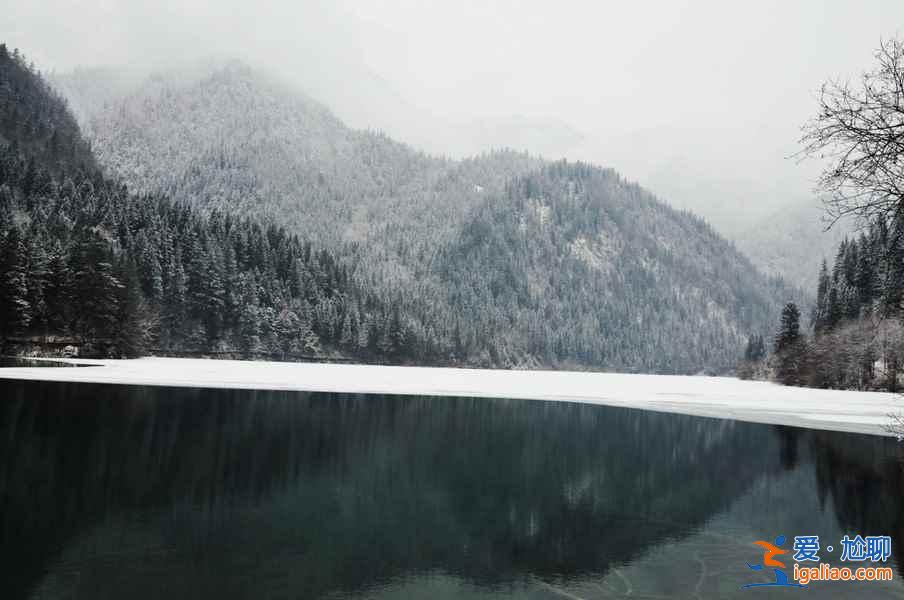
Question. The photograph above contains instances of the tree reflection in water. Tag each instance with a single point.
(119, 490)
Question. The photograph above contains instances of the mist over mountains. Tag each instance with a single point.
(793, 241)
(503, 259)
(707, 118)
(768, 227)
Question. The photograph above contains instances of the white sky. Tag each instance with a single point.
(699, 99)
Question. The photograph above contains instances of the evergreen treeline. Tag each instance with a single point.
(867, 278)
(80, 256)
(857, 339)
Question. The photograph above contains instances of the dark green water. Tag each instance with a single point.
(15, 361)
(135, 492)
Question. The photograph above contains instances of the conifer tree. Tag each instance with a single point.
(96, 289)
(789, 347)
(821, 310)
(756, 349)
(15, 310)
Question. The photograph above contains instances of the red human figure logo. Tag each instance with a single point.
(770, 551)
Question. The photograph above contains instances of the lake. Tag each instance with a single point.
(147, 492)
(15, 361)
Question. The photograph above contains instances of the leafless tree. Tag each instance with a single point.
(860, 131)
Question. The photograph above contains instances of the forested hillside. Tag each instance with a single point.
(499, 260)
(577, 265)
(233, 139)
(123, 274)
(35, 122)
(857, 340)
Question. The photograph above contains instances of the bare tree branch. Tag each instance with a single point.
(860, 129)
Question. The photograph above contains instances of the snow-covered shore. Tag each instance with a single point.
(725, 397)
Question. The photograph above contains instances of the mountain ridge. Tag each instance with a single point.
(235, 141)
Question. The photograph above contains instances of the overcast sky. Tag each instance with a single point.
(701, 100)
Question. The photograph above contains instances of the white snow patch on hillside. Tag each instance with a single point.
(723, 397)
(599, 255)
(541, 210)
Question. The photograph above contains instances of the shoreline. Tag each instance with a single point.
(718, 397)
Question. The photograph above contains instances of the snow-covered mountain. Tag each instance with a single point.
(502, 259)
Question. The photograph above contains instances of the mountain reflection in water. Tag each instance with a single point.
(139, 492)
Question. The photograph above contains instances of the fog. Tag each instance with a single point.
(700, 101)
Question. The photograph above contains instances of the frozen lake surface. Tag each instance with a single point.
(722, 397)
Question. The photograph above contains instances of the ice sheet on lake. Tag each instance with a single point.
(725, 397)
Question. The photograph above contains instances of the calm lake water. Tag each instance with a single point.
(138, 492)
(15, 361)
